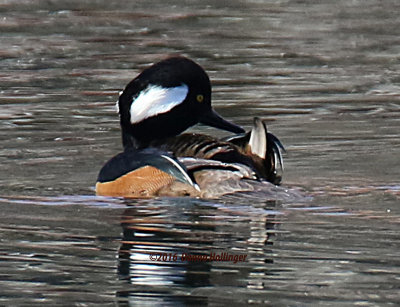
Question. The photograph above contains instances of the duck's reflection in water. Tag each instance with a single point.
(160, 241)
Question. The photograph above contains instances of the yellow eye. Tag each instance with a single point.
(200, 98)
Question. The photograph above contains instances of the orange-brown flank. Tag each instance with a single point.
(142, 182)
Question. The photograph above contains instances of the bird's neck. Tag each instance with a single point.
(129, 141)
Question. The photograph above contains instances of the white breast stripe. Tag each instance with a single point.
(182, 171)
(156, 100)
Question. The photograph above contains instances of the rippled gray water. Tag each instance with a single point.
(325, 74)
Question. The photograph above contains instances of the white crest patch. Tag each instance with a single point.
(117, 102)
(155, 100)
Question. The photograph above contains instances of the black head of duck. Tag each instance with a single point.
(166, 99)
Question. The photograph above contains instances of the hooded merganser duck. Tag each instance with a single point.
(154, 109)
